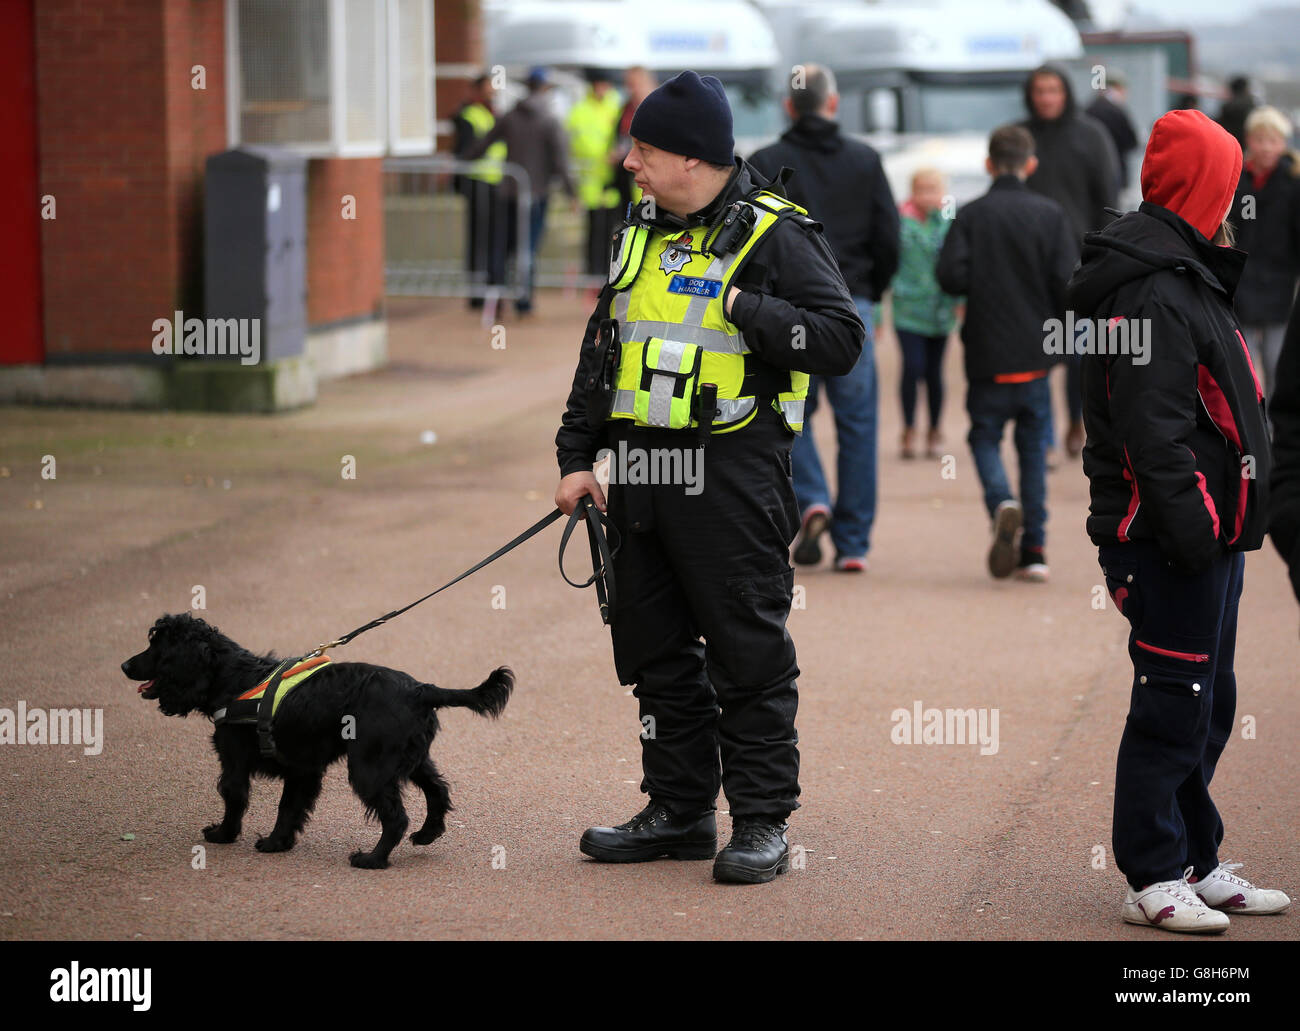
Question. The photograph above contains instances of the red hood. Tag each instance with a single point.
(1191, 168)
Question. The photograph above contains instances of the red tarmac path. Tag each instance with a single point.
(899, 841)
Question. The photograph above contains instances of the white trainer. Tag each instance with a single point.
(1173, 906)
(1222, 889)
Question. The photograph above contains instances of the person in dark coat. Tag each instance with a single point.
(1078, 168)
(1178, 465)
(1111, 110)
(536, 142)
(1284, 496)
(1010, 253)
(1266, 216)
(1240, 103)
(842, 184)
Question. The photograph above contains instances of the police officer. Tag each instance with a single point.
(723, 297)
(485, 213)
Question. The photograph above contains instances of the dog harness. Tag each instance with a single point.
(259, 705)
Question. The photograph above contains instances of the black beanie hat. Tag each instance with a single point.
(687, 115)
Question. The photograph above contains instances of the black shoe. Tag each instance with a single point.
(653, 833)
(807, 547)
(756, 854)
(1007, 521)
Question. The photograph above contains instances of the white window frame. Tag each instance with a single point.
(387, 86)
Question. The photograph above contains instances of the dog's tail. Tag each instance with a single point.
(488, 699)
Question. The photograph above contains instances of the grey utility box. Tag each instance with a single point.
(255, 244)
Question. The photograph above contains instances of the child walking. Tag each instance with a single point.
(1010, 252)
(923, 313)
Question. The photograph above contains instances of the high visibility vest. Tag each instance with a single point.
(488, 168)
(674, 334)
(593, 131)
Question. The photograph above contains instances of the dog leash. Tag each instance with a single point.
(602, 561)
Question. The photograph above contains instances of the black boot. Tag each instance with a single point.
(656, 831)
(756, 854)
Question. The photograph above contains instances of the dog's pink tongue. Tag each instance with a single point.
(144, 687)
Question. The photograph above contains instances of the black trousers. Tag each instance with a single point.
(1182, 640)
(486, 215)
(711, 561)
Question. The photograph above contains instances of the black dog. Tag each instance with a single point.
(382, 720)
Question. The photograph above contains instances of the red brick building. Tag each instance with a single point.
(119, 105)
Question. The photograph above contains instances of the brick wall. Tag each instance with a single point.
(122, 139)
(345, 257)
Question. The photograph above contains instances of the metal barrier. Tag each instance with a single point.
(441, 229)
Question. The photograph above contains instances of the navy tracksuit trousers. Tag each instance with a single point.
(1181, 711)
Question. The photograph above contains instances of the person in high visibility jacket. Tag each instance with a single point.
(485, 214)
(593, 134)
(723, 297)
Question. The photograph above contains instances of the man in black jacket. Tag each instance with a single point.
(841, 182)
(1110, 109)
(1010, 253)
(711, 562)
(1178, 465)
(1079, 169)
(1284, 410)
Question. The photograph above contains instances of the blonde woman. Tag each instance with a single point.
(1266, 216)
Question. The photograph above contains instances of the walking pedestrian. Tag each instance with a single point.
(923, 314)
(1010, 252)
(1078, 168)
(841, 181)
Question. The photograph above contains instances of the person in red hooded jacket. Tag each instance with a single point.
(1177, 459)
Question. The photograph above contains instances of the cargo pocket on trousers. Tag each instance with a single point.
(757, 645)
(1169, 691)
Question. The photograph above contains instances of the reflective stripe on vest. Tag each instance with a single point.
(488, 168)
(686, 307)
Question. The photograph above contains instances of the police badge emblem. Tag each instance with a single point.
(676, 254)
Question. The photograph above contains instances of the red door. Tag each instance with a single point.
(20, 234)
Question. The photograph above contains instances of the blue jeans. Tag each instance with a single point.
(853, 399)
(991, 406)
(1182, 708)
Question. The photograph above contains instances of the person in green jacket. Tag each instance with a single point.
(593, 137)
(923, 314)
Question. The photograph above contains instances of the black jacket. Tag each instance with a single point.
(1077, 164)
(1120, 126)
(789, 280)
(1177, 449)
(842, 184)
(1010, 253)
(1271, 238)
(1284, 410)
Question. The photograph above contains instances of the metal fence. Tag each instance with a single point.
(430, 223)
